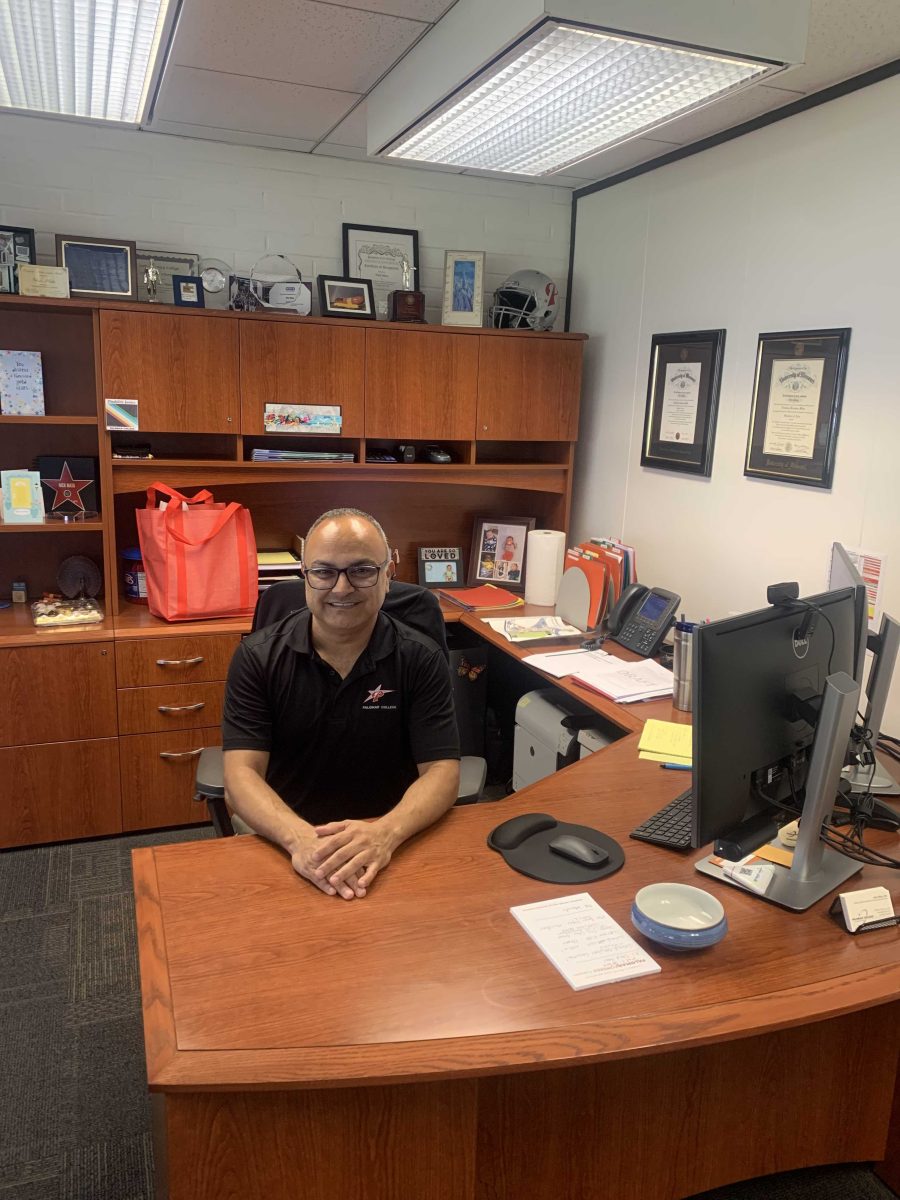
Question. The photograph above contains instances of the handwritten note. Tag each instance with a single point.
(582, 941)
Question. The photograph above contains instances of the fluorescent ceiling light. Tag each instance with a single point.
(80, 58)
(565, 93)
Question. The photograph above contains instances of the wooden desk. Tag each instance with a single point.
(417, 1045)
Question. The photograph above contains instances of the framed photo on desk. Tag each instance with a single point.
(682, 401)
(498, 551)
(440, 566)
(796, 413)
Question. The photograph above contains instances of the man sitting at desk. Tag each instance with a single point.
(339, 714)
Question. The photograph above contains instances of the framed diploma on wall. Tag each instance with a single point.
(682, 401)
(796, 411)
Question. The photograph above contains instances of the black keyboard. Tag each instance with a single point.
(671, 826)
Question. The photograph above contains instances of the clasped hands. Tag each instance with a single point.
(345, 856)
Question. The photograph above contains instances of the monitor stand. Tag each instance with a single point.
(862, 780)
(817, 869)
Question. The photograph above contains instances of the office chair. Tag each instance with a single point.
(406, 602)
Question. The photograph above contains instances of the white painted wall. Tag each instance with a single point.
(796, 226)
(239, 202)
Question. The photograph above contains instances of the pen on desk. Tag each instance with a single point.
(676, 766)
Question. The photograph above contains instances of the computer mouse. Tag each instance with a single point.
(579, 850)
(436, 455)
(513, 833)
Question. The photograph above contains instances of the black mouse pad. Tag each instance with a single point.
(534, 858)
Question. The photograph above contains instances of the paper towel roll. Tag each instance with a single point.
(544, 565)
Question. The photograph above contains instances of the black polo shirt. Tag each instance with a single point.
(340, 748)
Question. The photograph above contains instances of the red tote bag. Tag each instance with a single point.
(200, 560)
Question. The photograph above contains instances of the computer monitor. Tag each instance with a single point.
(845, 575)
(868, 776)
(759, 682)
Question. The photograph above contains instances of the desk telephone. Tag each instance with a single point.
(641, 618)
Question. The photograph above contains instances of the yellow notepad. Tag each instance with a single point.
(666, 741)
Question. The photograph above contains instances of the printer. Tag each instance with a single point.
(546, 734)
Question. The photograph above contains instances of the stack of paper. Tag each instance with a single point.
(582, 941)
(260, 455)
(666, 741)
(532, 629)
(620, 681)
(277, 565)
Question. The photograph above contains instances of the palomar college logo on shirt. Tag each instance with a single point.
(376, 695)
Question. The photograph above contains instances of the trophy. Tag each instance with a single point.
(151, 281)
(406, 304)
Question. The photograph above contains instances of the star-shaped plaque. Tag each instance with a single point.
(67, 491)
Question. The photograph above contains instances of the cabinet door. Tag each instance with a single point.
(421, 385)
(57, 693)
(158, 777)
(283, 363)
(528, 391)
(182, 370)
(59, 791)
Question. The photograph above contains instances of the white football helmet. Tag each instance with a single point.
(527, 300)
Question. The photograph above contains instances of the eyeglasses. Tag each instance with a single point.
(359, 575)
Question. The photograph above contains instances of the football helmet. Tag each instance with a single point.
(527, 300)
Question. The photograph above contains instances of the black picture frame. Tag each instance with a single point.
(15, 242)
(683, 401)
(182, 288)
(492, 560)
(795, 416)
(334, 290)
(376, 252)
(441, 567)
(105, 267)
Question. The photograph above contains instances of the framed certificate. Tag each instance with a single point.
(796, 413)
(682, 401)
(378, 253)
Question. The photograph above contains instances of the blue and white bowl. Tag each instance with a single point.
(678, 916)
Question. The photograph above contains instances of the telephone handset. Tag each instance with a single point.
(642, 617)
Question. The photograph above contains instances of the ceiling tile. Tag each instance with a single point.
(352, 130)
(416, 10)
(249, 105)
(297, 41)
(846, 40)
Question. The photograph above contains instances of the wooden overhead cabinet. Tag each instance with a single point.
(421, 385)
(182, 369)
(302, 364)
(528, 389)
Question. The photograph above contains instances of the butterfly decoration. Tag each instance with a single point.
(467, 671)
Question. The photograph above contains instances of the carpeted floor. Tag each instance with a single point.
(74, 1113)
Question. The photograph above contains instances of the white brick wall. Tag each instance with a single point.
(238, 202)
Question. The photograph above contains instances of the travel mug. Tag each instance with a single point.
(683, 664)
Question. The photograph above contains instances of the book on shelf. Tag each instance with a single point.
(486, 596)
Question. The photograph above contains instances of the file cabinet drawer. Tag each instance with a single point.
(158, 777)
(180, 706)
(144, 662)
(57, 693)
(59, 790)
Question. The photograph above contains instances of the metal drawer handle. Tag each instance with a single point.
(181, 753)
(179, 662)
(174, 708)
